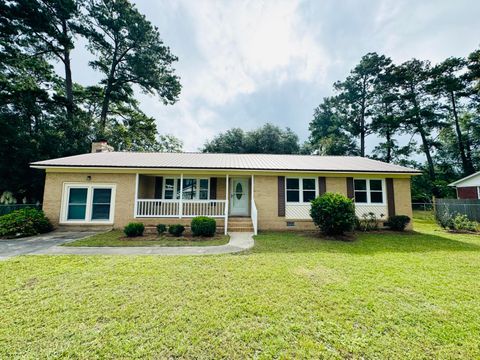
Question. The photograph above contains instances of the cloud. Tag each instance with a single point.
(244, 46)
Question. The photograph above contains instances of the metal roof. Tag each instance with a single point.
(208, 161)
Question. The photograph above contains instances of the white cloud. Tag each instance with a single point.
(247, 45)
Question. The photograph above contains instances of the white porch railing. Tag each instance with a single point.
(180, 208)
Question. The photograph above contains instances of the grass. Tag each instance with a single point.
(385, 295)
(117, 238)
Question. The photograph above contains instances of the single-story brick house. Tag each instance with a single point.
(242, 191)
(468, 187)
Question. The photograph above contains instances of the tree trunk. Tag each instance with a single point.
(388, 137)
(362, 120)
(108, 93)
(467, 166)
(68, 77)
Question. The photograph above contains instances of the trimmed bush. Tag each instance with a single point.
(397, 222)
(176, 229)
(333, 213)
(161, 228)
(203, 226)
(134, 229)
(24, 222)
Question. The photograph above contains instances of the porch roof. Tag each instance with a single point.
(207, 161)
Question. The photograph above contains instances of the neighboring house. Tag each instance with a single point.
(243, 191)
(468, 187)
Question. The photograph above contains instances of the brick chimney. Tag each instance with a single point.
(101, 146)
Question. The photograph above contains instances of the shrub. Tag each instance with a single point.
(134, 229)
(203, 226)
(462, 223)
(445, 220)
(161, 228)
(333, 213)
(24, 222)
(176, 229)
(368, 222)
(397, 222)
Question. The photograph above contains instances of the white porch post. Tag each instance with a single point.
(135, 205)
(180, 206)
(226, 205)
(252, 189)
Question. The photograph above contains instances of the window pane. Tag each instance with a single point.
(360, 184)
(308, 196)
(169, 188)
(293, 196)
(360, 197)
(376, 197)
(203, 189)
(308, 184)
(77, 204)
(101, 204)
(293, 184)
(375, 184)
(189, 188)
(102, 196)
(101, 212)
(177, 195)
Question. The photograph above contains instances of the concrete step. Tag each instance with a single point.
(240, 229)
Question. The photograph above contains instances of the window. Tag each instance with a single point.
(77, 204)
(301, 190)
(101, 204)
(88, 203)
(192, 189)
(368, 191)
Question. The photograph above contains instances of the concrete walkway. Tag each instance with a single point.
(239, 241)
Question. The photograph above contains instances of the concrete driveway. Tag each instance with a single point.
(38, 243)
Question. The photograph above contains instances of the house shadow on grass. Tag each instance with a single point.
(365, 243)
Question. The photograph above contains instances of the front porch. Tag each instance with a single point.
(186, 196)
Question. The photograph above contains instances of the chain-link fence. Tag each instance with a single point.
(470, 208)
(7, 209)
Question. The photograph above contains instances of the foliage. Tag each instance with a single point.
(367, 222)
(203, 226)
(445, 219)
(176, 229)
(462, 223)
(161, 228)
(333, 213)
(24, 222)
(397, 222)
(134, 229)
(269, 139)
(128, 52)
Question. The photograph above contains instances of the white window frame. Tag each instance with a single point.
(176, 181)
(300, 189)
(88, 211)
(369, 200)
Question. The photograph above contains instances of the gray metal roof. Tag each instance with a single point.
(225, 161)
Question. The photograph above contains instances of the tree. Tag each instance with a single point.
(269, 139)
(419, 110)
(49, 26)
(450, 86)
(327, 136)
(356, 94)
(386, 117)
(129, 52)
(169, 143)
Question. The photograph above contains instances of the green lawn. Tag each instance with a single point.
(117, 238)
(382, 296)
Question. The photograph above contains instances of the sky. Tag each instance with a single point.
(246, 63)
